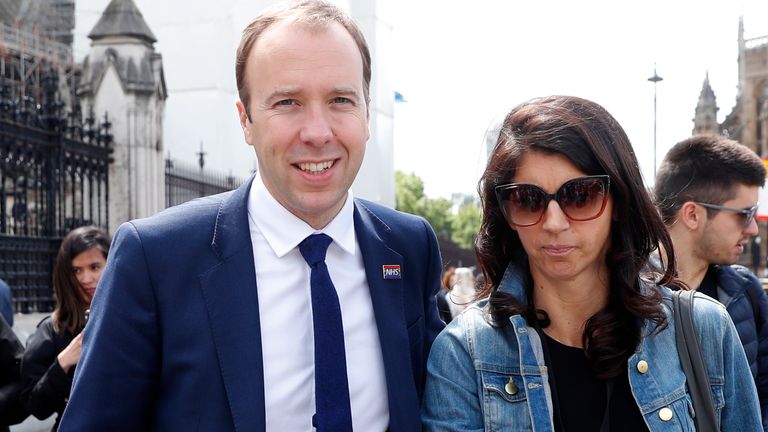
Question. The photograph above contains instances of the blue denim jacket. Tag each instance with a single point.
(472, 363)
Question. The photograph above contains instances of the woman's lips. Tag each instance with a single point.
(557, 250)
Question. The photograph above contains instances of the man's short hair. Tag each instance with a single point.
(705, 168)
(316, 14)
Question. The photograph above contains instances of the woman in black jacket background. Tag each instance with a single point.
(54, 349)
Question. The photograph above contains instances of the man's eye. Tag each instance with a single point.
(341, 100)
(286, 102)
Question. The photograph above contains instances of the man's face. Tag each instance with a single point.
(724, 235)
(309, 118)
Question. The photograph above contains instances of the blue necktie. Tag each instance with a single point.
(333, 412)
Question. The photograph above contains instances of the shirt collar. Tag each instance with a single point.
(284, 231)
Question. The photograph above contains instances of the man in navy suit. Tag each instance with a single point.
(203, 320)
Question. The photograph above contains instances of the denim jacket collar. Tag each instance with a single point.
(512, 282)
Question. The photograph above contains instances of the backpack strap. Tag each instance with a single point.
(692, 361)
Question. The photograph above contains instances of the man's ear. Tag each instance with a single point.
(691, 215)
(245, 123)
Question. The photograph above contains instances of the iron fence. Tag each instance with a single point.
(184, 181)
(54, 176)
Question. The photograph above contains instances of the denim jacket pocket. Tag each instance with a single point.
(504, 402)
(673, 416)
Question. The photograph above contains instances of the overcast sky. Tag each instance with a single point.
(460, 64)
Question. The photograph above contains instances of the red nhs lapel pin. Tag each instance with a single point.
(391, 271)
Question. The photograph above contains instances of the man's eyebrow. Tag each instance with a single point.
(282, 92)
(346, 91)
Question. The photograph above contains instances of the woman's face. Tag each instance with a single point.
(87, 267)
(558, 248)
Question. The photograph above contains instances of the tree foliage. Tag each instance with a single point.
(460, 227)
(465, 225)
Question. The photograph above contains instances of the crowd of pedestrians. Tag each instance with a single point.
(288, 304)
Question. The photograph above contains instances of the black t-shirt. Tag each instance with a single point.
(708, 285)
(580, 398)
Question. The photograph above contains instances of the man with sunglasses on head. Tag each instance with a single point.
(706, 191)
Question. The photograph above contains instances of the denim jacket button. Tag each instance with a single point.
(642, 366)
(665, 414)
(511, 387)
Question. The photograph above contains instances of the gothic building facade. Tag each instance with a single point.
(748, 121)
(123, 77)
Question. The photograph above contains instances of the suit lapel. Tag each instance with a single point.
(387, 299)
(229, 290)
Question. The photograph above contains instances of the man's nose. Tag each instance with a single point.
(751, 229)
(316, 129)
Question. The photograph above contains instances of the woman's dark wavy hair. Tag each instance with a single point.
(587, 135)
(69, 313)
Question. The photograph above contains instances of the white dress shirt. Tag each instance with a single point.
(285, 312)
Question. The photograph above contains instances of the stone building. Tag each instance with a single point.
(705, 120)
(748, 120)
(123, 77)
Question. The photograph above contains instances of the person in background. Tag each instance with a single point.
(53, 350)
(12, 410)
(706, 190)
(287, 304)
(6, 302)
(463, 290)
(443, 304)
(574, 335)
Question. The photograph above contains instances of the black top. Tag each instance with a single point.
(46, 385)
(708, 285)
(11, 350)
(580, 399)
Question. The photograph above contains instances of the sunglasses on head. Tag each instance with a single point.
(581, 199)
(747, 213)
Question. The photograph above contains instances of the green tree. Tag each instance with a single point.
(409, 193)
(410, 198)
(438, 213)
(465, 225)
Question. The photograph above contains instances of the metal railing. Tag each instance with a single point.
(184, 181)
(54, 176)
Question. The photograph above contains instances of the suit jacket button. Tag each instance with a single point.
(642, 366)
(665, 414)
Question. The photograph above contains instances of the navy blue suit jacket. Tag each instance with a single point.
(174, 343)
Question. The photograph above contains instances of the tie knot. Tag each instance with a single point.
(314, 247)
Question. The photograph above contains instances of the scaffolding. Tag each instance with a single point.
(25, 55)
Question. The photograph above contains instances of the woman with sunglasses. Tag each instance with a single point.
(572, 336)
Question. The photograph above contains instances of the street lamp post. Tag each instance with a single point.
(654, 79)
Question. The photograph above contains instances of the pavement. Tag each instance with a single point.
(24, 325)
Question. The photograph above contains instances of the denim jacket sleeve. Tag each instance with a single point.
(451, 399)
(740, 409)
